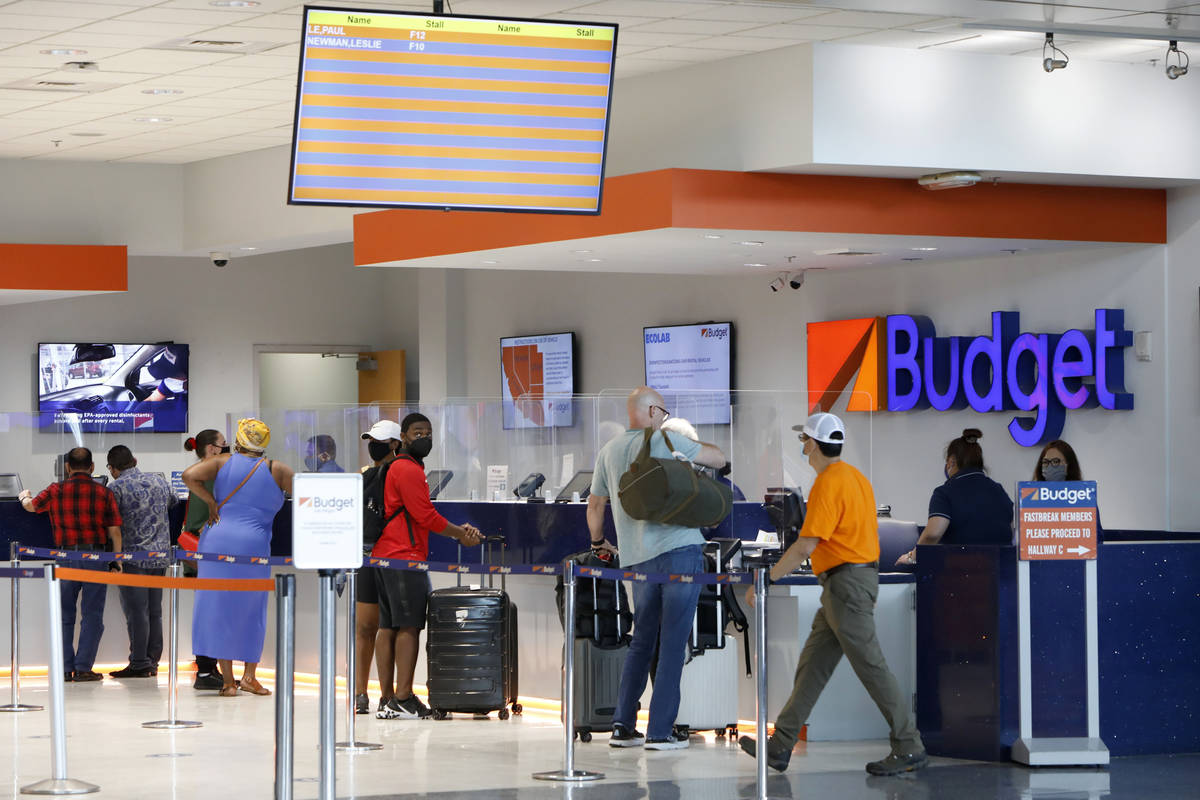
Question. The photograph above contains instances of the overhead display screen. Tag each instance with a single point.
(692, 367)
(451, 111)
(537, 379)
(102, 388)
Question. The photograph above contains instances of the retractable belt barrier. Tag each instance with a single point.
(20, 572)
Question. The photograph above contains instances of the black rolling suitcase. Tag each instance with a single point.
(471, 649)
(602, 624)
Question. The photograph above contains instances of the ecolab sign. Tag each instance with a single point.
(902, 357)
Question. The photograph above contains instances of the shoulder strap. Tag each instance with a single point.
(670, 446)
(644, 453)
(257, 464)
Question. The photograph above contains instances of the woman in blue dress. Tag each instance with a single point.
(248, 491)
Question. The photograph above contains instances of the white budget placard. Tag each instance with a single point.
(327, 520)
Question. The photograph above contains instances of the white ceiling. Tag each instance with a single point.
(229, 103)
(768, 254)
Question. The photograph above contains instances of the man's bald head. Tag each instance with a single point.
(639, 404)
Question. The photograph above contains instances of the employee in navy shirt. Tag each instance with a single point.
(970, 507)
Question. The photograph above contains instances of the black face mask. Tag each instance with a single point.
(378, 450)
(419, 448)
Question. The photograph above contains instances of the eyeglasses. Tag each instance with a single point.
(1052, 462)
(665, 413)
(804, 437)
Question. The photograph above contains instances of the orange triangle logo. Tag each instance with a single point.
(836, 351)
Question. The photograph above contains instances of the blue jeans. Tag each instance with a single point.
(143, 619)
(662, 615)
(91, 597)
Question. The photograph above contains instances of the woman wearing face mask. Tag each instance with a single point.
(248, 491)
(1057, 462)
(970, 507)
(206, 444)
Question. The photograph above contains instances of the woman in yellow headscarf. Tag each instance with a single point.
(248, 491)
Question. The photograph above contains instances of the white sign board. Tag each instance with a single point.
(327, 520)
(497, 482)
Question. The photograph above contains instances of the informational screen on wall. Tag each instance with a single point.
(451, 111)
(537, 379)
(101, 388)
(693, 363)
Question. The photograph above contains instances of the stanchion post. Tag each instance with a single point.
(175, 571)
(58, 782)
(568, 772)
(285, 664)
(760, 679)
(328, 683)
(14, 703)
(352, 745)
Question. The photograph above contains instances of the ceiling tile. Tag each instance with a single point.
(160, 61)
(124, 41)
(639, 8)
(692, 26)
(66, 10)
(635, 38)
(155, 30)
(693, 54)
(22, 22)
(760, 14)
(903, 38)
(513, 8)
(741, 43)
(803, 32)
(871, 19)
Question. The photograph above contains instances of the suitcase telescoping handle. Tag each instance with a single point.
(485, 555)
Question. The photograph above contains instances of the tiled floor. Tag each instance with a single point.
(232, 755)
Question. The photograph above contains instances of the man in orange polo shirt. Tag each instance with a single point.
(841, 535)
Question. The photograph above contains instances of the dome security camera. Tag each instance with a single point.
(797, 280)
(218, 258)
(776, 284)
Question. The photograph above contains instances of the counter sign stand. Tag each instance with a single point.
(1057, 521)
(327, 537)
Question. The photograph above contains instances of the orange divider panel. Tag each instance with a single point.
(63, 267)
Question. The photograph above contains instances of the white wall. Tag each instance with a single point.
(1053, 292)
(1181, 440)
(945, 110)
(306, 297)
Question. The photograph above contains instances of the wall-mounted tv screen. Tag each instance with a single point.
(102, 388)
(404, 109)
(537, 379)
(692, 367)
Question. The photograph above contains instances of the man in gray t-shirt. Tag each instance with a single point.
(662, 612)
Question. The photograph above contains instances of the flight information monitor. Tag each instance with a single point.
(451, 111)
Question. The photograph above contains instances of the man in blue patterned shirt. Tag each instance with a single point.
(144, 499)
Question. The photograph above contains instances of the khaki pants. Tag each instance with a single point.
(845, 624)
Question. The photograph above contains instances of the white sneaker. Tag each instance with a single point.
(678, 740)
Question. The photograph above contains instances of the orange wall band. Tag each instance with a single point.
(686, 198)
(67, 268)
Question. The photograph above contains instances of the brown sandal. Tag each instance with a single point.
(228, 691)
(254, 688)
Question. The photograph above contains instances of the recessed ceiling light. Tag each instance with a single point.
(754, 265)
(162, 91)
(490, 261)
(595, 260)
(234, 3)
(63, 51)
(751, 244)
(152, 119)
(712, 236)
(247, 247)
(581, 252)
(923, 249)
(87, 134)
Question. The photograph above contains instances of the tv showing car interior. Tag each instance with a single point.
(451, 111)
(103, 388)
(537, 379)
(692, 367)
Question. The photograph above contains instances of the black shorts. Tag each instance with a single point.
(365, 590)
(403, 598)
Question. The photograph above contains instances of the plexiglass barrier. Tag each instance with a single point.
(471, 441)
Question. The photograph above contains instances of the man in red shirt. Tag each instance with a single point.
(404, 594)
(84, 516)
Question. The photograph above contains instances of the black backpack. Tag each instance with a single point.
(374, 518)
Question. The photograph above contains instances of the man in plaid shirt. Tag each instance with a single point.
(84, 516)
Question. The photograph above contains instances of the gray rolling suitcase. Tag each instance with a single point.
(600, 657)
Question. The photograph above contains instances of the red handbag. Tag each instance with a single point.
(189, 541)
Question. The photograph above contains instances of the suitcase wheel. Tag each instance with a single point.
(503, 713)
(440, 714)
(733, 731)
(517, 708)
(584, 735)
(721, 733)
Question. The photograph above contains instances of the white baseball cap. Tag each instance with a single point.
(824, 428)
(383, 430)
